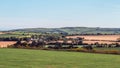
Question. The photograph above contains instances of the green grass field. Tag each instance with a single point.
(117, 48)
(25, 58)
(18, 34)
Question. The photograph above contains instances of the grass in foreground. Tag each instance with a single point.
(24, 58)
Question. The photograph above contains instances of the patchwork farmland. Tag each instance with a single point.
(102, 39)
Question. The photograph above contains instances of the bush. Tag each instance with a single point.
(107, 51)
(80, 50)
(96, 51)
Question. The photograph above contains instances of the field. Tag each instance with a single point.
(6, 43)
(24, 58)
(2, 33)
(90, 39)
(97, 37)
(100, 42)
(17, 34)
(13, 35)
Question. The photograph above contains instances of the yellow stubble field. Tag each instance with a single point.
(102, 39)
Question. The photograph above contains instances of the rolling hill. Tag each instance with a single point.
(72, 30)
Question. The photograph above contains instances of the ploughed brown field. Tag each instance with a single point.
(2, 33)
(6, 43)
(102, 39)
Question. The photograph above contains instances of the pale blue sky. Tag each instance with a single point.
(59, 13)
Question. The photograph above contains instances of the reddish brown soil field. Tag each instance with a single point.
(6, 43)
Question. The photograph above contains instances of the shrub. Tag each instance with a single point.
(80, 50)
(96, 51)
(107, 51)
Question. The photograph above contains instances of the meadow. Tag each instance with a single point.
(25, 58)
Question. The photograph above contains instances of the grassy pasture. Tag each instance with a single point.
(117, 48)
(25, 58)
(12, 35)
(16, 34)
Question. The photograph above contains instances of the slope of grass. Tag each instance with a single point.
(24, 58)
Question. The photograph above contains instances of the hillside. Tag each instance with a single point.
(72, 30)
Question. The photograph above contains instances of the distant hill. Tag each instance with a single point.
(73, 30)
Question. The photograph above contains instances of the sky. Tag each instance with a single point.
(15, 14)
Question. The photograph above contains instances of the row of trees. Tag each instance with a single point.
(14, 39)
(42, 40)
